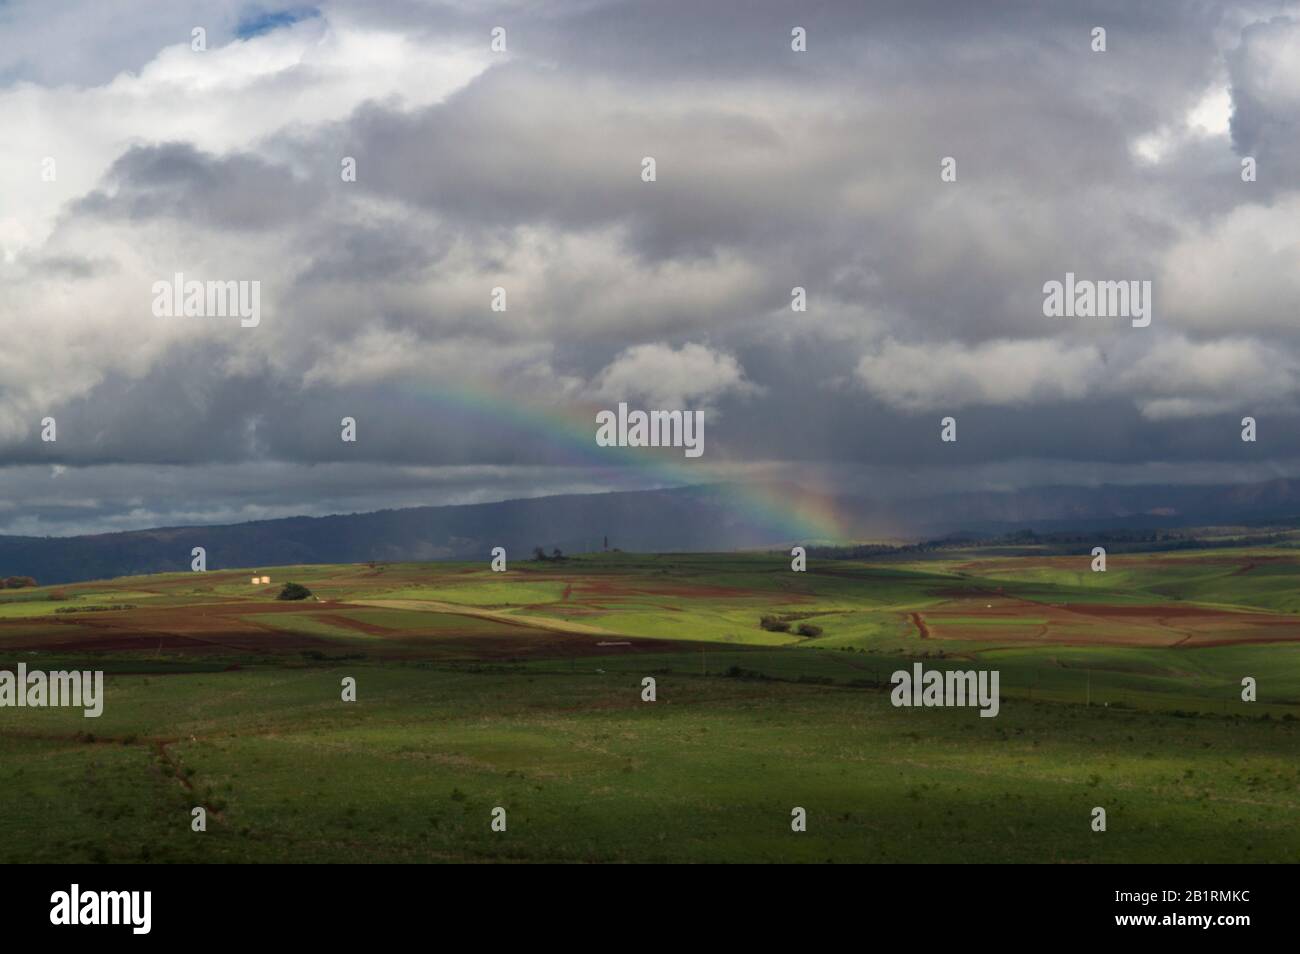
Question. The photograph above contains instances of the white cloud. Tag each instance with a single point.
(1168, 377)
(671, 379)
(1185, 378)
(1209, 117)
(919, 377)
(378, 355)
(220, 100)
(1238, 273)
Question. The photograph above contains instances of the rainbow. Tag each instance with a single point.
(793, 514)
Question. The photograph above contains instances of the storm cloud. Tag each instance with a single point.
(131, 157)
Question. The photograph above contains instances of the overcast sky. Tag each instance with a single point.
(523, 169)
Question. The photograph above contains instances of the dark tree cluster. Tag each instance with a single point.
(294, 591)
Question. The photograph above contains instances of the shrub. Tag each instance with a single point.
(809, 630)
(294, 591)
(774, 624)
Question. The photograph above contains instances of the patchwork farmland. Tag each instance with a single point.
(524, 689)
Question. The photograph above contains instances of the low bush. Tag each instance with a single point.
(294, 591)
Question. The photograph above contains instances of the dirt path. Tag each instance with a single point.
(919, 622)
(163, 748)
(511, 619)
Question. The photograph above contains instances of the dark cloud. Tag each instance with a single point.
(775, 169)
(177, 181)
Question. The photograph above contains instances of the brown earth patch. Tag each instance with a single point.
(1182, 626)
(1157, 611)
(203, 629)
(1157, 560)
(217, 629)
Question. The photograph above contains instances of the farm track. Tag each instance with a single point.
(511, 619)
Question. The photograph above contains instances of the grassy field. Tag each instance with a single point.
(523, 690)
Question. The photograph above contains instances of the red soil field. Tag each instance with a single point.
(1099, 624)
(221, 629)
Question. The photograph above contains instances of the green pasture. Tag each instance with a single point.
(586, 771)
(748, 723)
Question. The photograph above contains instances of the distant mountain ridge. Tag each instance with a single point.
(696, 518)
(683, 519)
(1109, 506)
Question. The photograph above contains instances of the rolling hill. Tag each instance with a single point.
(699, 518)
